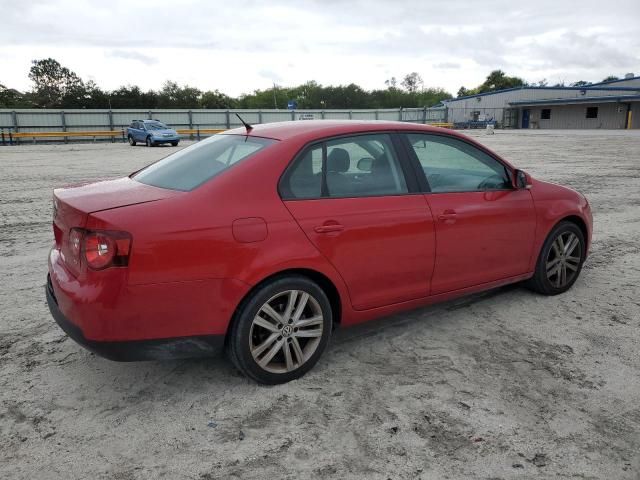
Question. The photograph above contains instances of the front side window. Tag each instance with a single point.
(194, 165)
(359, 166)
(452, 165)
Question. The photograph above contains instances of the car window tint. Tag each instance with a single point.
(364, 165)
(236, 152)
(304, 178)
(155, 126)
(359, 166)
(194, 165)
(452, 165)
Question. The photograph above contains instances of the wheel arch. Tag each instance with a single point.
(324, 282)
(580, 223)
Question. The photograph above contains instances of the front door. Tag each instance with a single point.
(352, 199)
(525, 118)
(141, 132)
(484, 227)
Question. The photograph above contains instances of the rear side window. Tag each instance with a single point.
(359, 166)
(194, 165)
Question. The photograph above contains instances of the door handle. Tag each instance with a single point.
(448, 216)
(329, 228)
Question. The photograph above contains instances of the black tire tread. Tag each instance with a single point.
(234, 346)
(538, 282)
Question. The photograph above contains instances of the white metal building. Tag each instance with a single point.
(607, 105)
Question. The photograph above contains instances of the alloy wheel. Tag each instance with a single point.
(286, 331)
(563, 260)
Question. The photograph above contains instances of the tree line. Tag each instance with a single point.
(56, 86)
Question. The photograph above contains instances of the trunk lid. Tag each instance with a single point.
(73, 205)
(105, 195)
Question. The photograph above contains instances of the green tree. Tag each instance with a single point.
(173, 95)
(412, 82)
(55, 85)
(131, 96)
(580, 83)
(10, 97)
(95, 97)
(610, 78)
(463, 92)
(498, 80)
(391, 82)
(215, 99)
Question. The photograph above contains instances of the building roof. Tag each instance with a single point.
(571, 101)
(586, 87)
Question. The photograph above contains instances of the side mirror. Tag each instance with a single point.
(365, 164)
(521, 180)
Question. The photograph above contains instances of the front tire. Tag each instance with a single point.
(132, 142)
(560, 260)
(149, 142)
(175, 144)
(280, 330)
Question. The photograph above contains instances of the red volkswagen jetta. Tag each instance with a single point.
(262, 240)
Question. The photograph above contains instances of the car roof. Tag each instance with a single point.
(310, 129)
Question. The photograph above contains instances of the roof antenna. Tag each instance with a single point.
(246, 125)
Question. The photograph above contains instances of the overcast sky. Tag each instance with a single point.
(237, 46)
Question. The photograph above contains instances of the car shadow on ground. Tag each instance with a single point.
(196, 374)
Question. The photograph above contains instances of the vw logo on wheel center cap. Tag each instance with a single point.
(287, 330)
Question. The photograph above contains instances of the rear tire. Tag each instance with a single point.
(149, 142)
(280, 330)
(560, 261)
(132, 142)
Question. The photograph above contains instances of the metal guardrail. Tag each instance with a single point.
(14, 137)
(441, 124)
(58, 120)
(10, 137)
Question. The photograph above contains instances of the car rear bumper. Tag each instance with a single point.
(107, 307)
(127, 351)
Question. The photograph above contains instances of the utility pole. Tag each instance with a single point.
(275, 102)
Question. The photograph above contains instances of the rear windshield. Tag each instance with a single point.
(194, 165)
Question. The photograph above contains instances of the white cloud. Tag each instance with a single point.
(133, 55)
(239, 46)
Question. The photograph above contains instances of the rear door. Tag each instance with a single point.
(139, 134)
(484, 227)
(354, 201)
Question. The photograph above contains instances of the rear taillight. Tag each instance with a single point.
(101, 249)
(57, 235)
(75, 242)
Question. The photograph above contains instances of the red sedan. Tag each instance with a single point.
(263, 240)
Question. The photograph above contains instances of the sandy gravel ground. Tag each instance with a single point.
(508, 384)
